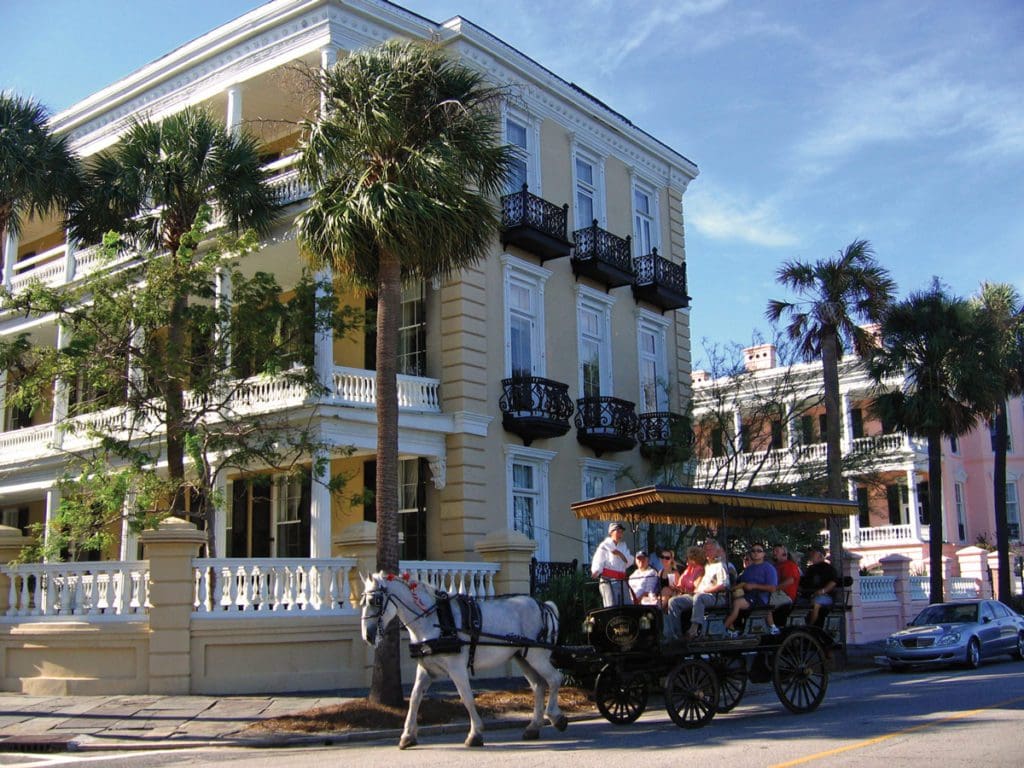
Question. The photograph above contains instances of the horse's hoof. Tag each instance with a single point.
(474, 740)
(406, 741)
(561, 723)
(531, 734)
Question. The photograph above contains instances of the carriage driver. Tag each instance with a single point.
(610, 562)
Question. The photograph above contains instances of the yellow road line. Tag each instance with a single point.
(894, 734)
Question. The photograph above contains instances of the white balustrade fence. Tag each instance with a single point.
(229, 586)
(473, 579)
(112, 590)
(920, 587)
(356, 386)
(877, 589)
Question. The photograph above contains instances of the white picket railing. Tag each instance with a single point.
(229, 586)
(285, 182)
(920, 587)
(473, 579)
(110, 589)
(877, 589)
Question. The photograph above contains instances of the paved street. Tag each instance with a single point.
(943, 718)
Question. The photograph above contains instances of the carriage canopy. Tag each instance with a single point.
(709, 507)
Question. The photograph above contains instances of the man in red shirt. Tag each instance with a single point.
(789, 577)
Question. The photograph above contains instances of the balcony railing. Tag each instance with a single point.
(606, 423)
(535, 407)
(602, 256)
(664, 435)
(355, 386)
(535, 225)
(660, 282)
(285, 183)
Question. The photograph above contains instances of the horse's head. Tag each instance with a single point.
(386, 596)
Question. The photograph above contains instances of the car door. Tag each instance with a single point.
(1007, 627)
(989, 631)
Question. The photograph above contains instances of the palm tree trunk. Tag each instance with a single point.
(174, 398)
(833, 445)
(935, 515)
(1003, 591)
(386, 681)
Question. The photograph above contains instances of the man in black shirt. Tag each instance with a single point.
(818, 582)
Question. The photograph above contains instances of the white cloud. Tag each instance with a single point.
(720, 217)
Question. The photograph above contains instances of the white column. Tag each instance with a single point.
(136, 376)
(792, 425)
(328, 57)
(320, 507)
(851, 492)
(323, 339)
(10, 257)
(52, 503)
(70, 251)
(846, 435)
(61, 394)
(219, 524)
(915, 521)
(233, 120)
(129, 538)
(222, 299)
(3, 401)
(737, 427)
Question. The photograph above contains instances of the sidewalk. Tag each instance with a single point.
(80, 723)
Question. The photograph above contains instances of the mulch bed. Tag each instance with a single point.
(361, 714)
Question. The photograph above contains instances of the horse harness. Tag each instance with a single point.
(449, 641)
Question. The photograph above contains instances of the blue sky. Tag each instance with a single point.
(813, 123)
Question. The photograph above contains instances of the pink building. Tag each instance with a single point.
(765, 426)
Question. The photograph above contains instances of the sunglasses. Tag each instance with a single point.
(757, 550)
(667, 556)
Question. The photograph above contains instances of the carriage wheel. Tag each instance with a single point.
(732, 680)
(691, 694)
(799, 673)
(621, 699)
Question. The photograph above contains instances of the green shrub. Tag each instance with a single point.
(574, 594)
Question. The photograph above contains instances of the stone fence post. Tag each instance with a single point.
(851, 566)
(974, 565)
(899, 567)
(12, 541)
(512, 551)
(993, 566)
(170, 550)
(359, 541)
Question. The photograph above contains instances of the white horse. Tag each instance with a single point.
(517, 628)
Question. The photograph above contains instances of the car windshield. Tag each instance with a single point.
(947, 614)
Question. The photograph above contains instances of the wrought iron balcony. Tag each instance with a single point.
(602, 256)
(535, 225)
(535, 407)
(665, 436)
(605, 423)
(660, 282)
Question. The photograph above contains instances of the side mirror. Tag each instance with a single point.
(986, 619)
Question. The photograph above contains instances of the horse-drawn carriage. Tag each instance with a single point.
(630, 653)
(627, 650)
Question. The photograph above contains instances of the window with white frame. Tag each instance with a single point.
(1012, 510)
(594, 313)
(588, 173)
(650, 344)
(522, 137)
(961, 512)
(527, 496)
(292, 516)
(598, 480)
(524, 317)
(645, 219)
(412, 330)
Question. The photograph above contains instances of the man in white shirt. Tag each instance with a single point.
(610, 562)
(644, 581)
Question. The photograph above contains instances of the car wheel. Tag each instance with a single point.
(973, 658)
(1018, 652)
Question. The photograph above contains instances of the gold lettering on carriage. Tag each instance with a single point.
(622, 630)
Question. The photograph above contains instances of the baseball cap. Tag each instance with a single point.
(642, 553)
(616, 527)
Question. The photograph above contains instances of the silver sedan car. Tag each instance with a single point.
(965, 632)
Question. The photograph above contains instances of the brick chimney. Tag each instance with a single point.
(759, 358)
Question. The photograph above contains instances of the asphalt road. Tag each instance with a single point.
(935, 719)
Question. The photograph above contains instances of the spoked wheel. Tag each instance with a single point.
(732, 680)
(691, 694)
(799, 673)
(621, 699)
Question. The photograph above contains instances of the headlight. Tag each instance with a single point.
(892, 642)
(951, 639)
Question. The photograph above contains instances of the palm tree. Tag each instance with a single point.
(38, 170)
(835, 296)
(151, 187)
(404, 163)
(944, 351)
(1001, 303)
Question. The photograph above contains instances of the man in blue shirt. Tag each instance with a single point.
(758, 581)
